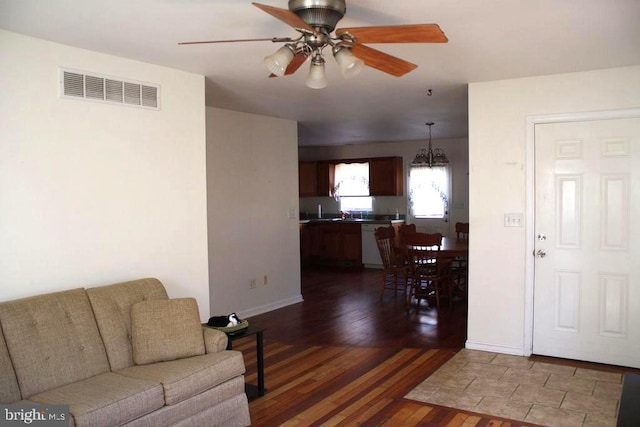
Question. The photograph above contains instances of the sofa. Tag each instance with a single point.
(122, 354)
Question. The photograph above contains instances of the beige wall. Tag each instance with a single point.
(455, 149)
(498, 112)
(93, 193)
(252, 190)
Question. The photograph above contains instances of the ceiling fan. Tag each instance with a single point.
(315, 20)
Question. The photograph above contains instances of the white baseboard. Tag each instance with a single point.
(270, 307)
(515, 351)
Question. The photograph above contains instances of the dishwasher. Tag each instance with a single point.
(370, 254)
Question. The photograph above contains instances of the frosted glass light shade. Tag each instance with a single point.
(317, 78)
(350, 66)
(278, 62)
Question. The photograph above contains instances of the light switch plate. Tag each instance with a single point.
(292, 213)
(513, 219)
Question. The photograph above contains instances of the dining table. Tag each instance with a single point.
(453, 247)
(450, 247)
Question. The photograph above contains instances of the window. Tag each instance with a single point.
(356, 204)
(429, 191)
(352, 187)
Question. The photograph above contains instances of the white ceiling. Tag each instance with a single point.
(488, 40)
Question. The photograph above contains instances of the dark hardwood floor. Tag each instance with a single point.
(345, 357)
(343, 308)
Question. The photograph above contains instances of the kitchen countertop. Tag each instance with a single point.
(353, 220)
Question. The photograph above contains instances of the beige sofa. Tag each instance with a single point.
(123, 354)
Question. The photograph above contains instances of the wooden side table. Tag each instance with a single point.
(251, 389)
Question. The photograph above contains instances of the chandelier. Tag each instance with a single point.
(430, 157)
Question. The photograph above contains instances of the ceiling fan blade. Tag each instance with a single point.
(382, 61)
(295, 63)
(285, 16)
(420, 33)
(273, 39)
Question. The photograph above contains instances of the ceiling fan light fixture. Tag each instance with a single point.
(278, 62)
(350, 66)
(319, 13)
(317, 78)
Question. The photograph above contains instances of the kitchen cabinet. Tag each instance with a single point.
(310, 242)
(386, 177)
(351, 245)
(341, 244)
(307, 179)
(331, 242)
(327, 243)
(315, 179)
(324, 179)
(305, 244)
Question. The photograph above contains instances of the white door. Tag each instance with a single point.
(587, 227)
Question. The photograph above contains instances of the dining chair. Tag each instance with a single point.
(460, 265)
(431, 273)
(395, 271)
(406, 229)
(462, 230)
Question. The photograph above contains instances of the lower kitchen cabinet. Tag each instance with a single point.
(310, 243)
(331, 244)
(341, 244)
(351, 245)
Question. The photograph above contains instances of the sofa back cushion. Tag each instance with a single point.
(9, 390)
(164, 330)
(112, 308)
(53, 340)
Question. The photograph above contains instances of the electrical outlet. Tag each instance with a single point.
(252, 283)
(265, 280)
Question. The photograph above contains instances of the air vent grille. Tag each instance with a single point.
(95, 87)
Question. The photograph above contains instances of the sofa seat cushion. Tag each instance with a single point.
(28, 402)
(184, 378)
(106, 400)
(163, 330)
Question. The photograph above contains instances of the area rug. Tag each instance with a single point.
(520, 389)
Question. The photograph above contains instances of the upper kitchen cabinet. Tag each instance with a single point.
(325, 179)
(307, 179)
(386, 177)
(315, 179)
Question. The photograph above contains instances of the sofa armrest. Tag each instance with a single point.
(214, 340)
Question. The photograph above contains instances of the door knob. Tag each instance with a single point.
(541, 253)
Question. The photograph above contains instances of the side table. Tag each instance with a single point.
(258, 332)
(628, 415)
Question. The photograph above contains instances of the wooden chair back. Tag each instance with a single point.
(406, 229)
(462, 230)
(430, 272)
(385, 240)
(422, 249)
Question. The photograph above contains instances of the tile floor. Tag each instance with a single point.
(519, 389)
